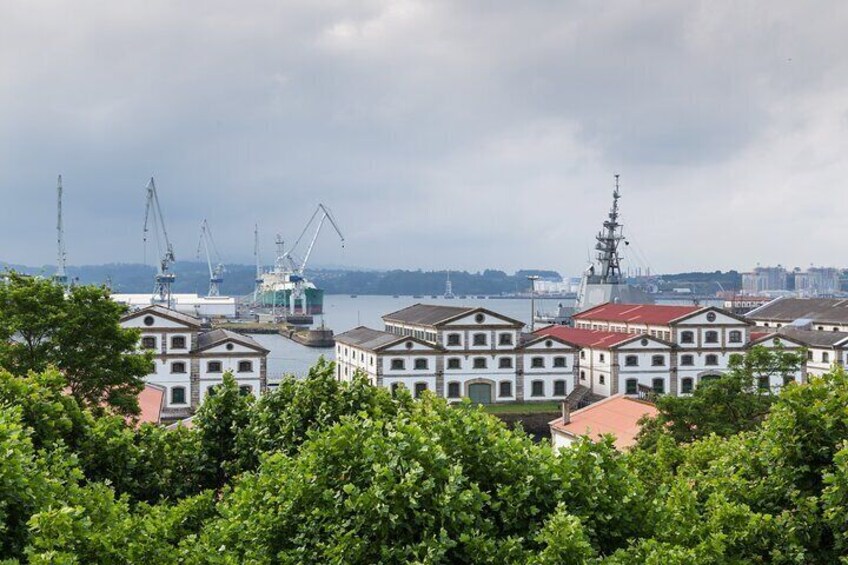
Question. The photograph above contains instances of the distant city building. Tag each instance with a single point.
(818, 281)
(189, 362)
(764, 279)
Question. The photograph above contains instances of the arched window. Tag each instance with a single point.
(559, 388)
(453, 390)
(537, 388)
(213, 367)
(687, 337)
(454, 339)
(419, 389)
(505, 363)
(505, 389)
(658, 385)
(658, 360)
(711, 359)
(686, 385)
(178, 367)
(559, 362)
(421, 364)
(504, 339)
(631, 386)
(245, 367)
(244, 390)
(479, 362)
(687, 360)
(148, 342)
(631, 361)
(537, 363)
(825, 357)
(454, 363)
(735, 336)
(397, 365)
(178, 395)
(711, 337)
(479, 339)
(178, 342)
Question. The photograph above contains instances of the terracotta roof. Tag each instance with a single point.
(151, 400)
(637, 313)
(587, 338)
(617, 415)
(215, 337)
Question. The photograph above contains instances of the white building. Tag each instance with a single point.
(633, 348)
(458, 352)
(188, 361)
(191, 304)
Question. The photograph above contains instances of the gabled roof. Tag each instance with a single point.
(435, 315)
(167, 313)
(531, 339)
(375, 340)
(826, 310)
(590, 338)
(151, 400)
(814, 338)
(653, 314)
(617, 415)
(207, 340)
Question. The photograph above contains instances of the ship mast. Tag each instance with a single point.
(608, 241)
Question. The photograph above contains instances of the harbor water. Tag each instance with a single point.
(342, 313)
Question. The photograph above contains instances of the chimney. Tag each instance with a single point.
(566, 412)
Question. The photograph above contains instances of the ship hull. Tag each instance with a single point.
(281, 299)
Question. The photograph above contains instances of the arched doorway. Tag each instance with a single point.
(480, 393)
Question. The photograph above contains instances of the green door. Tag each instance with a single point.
(480, 393)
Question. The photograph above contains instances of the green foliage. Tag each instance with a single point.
(732, 403)
(79, 334)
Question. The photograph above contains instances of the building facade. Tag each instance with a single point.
(188, 361)
(459, 352)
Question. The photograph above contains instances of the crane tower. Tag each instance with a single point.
(153, 219)
(61, 276)
(216, 273)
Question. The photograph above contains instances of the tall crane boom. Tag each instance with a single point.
(216, 274)
(300, 266)
(61, 276)
(153, 218)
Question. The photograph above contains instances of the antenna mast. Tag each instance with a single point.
(61, 276)
(608, 241)
(258, 280)
(153, 215)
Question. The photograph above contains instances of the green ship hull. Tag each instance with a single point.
(280, 298)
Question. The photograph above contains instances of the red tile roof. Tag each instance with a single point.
(617, 415)
(586, 338)
(151, 400)
(636, 313)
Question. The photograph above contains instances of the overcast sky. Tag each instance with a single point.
(464, 135)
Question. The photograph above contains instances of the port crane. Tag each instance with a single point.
(257, 282)
(61, 276)
(153, 219)
(299, 266)
(216, 273)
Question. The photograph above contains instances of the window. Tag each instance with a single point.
(213, 367)
(687, 360)
(602, 379)
(735, 336)
(687, 337)
(631, 361)
(537, 388)
(821, 328)
(211, 390)
(809, 355)
(479, 339)
(479, 362)
(601, 357)
(505, 363)
(419, 389)
(559, 361)
(505, 339)
(245, 390)
(245, 367)
(453, 363)
(421, 364)
(825, 357)
(686, 385)
(453, 390)
(657, 361)
(631, 386)
(582, 375)
(658, 385)
(559, 388)
(537, 362)
(178, 395)
(178, 367)
(178, 342)
(395, 388)
(479, 318)
(398, 365)
(505, 389)
(148, 342)
(582, 354)
(711, 360)
(711, 337)
(149, 321)
(454, 339)
(763, 383)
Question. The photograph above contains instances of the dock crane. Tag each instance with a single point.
(216, 274)
(257, 282)
(153, 218)
(299, 266)
(61, 277)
